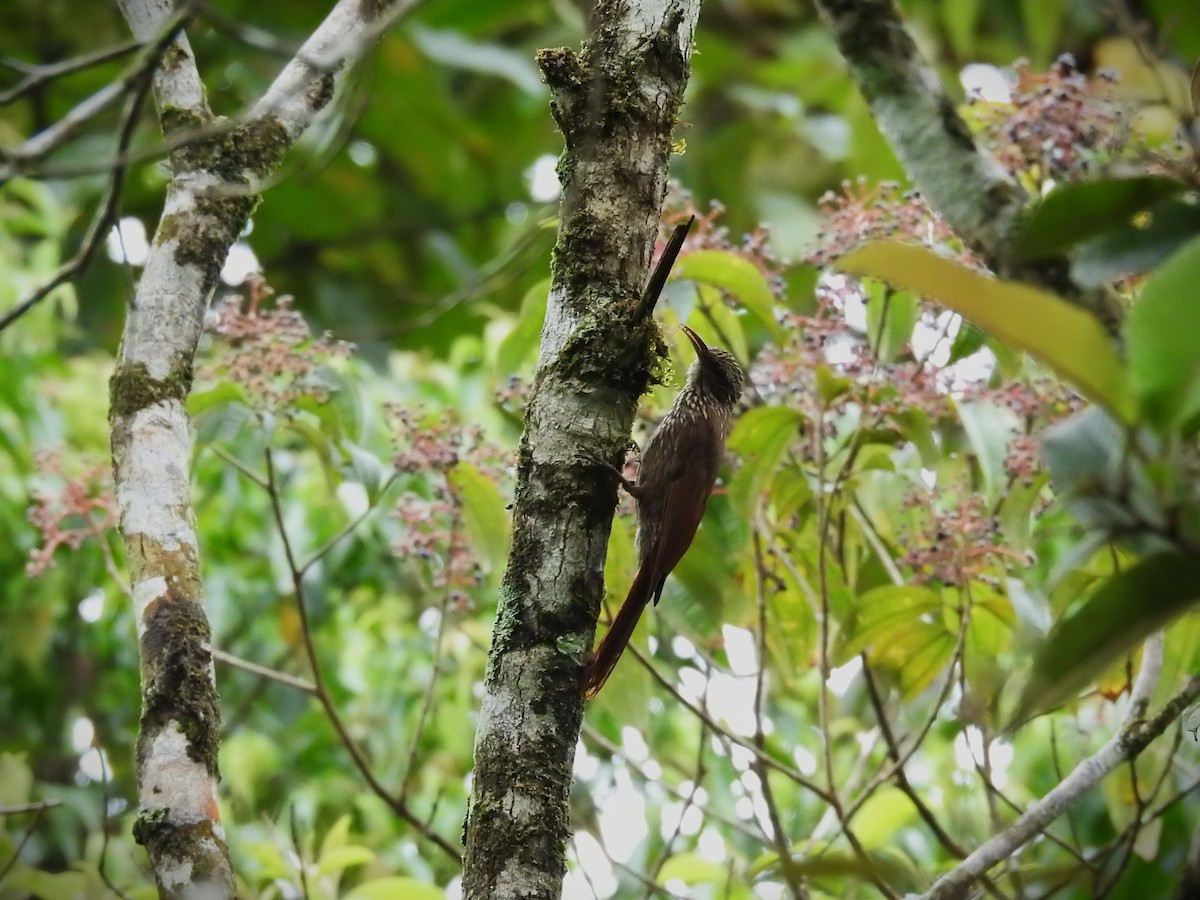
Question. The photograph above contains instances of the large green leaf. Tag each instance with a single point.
(739, 277)
(1164, 350)
(520, 345)
(483, 513)
(1064, 337)
(1123, 612)
(1097, 467)
(1075, 212)
(1137, 246)
(760, 439)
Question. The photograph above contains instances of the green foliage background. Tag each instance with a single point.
(405, 224)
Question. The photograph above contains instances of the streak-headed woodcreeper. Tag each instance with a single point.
(678, 469)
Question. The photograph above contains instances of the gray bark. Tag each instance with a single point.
(616, 105)
(214, 187)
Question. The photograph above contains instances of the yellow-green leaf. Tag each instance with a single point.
(739, 277)
(395, 887)
(760, 439)
(1063, 337)
(1124, 611)
(483, 512)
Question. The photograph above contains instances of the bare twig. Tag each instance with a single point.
(262, 671)
(38, 75)
(410, 765)
(103, 219)
(787, 865)
(702, 714)
(348, 529)
(38, 810)
(22, 157)
(101, 865)
(249, 35)
(37, 806)
(1134, 735)
(301, 864)
(397, 804)
(597, 738)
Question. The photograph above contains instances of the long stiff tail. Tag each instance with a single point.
(604, 657)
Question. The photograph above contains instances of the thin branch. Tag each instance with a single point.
(702, 714)
(38, 147)
(102, 221)
(915, 742)
(410, 766)
(38, 75)
(300, 863)
(240, 466)
(36, 806)
(778, 835)
(257, 38)
(262, 671)
(688, 802)
(101, 865)
(397, 804)
(596, 737)
(38, 810)
(348, 529)
(1135, 734)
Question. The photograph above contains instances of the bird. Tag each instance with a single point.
(678, 469)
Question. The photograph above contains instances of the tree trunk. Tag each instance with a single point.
(616, 105)
(217, 170)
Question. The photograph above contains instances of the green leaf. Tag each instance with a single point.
(366, 468)
(248, 758)
(339, 859)
(891, 317)
(1137, 246)
(760, 438)
(483, 513)
(967, 341)
(337, 837)
(739, 277)
(691, 868)
(959, 18)
(48, 885)
(1064, 337)
(394, 888)
(1043, 21)
(16, 779)
(1124, 611)
(881, 817)
(454, 50)
(1164, 353)
(1103, 484)
(521, 344)
(1075, 212)
(882, 612)
(225, 392)
(989, 428)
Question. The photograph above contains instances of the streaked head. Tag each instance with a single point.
(715, 372)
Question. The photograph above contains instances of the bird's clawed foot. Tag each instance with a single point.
(589, 459)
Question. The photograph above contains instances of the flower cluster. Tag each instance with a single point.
(270, 351)
(863, 212)
(432, 510)
(1060, 123)
(78, 508)
(963, 543)
(1037, 404)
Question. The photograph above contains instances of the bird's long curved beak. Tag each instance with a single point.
(701, 347)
